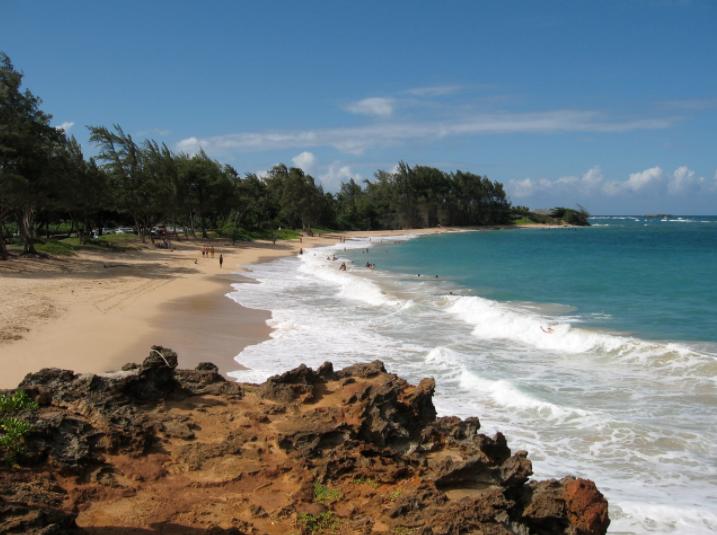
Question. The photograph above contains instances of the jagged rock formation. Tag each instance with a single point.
(152, 449)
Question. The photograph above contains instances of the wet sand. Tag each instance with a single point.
(207, 327)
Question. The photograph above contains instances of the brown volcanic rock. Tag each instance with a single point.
(152, 449)
(586, 506)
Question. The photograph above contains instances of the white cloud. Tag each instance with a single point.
(304, 161)
(635, 182)
(522, 188)
(642, 179)
(356, 140)
(337, 173)
(434, 90)
(585, 184)
(592, 179)
(192, 145)
(684, 179)
(376, 106)
(592, 183)
(65, 127)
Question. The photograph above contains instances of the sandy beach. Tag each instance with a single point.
(94, 312)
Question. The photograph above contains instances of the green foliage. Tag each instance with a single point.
(394, 495)
(523, 221)
(556, 216)
(69, 246)
(15, 402)
(240, 234)
(325, 522)
(421, 196)
(572, 217)
(325, 494)
(13, 423)
(55, 248)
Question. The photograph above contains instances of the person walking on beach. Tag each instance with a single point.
(221, 260)
(212, 251)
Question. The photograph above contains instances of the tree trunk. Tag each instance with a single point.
(191, 224)
(140, 230)
(4, 254)
(27, 231)
(86, 231)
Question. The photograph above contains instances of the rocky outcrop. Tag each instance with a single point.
(153, 449)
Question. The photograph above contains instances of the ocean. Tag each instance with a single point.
(595, 349)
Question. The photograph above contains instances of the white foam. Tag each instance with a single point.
(505, 394)
(316, 262)
(349, 286)
(637, 517)
(492, 320)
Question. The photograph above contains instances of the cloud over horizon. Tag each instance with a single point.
(592, 184)
(357, 139)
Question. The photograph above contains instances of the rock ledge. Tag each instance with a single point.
(153, 449)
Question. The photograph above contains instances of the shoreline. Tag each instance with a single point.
(95, 311)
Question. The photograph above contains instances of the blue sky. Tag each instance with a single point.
(611, 104)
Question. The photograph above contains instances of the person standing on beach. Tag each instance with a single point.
(221, 260)
(212, 251)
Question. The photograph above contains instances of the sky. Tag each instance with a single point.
(610, 104)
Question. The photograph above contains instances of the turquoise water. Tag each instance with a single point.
(651, 278)
(594, 349)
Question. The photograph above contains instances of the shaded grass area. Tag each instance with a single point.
(240, 234)
(69, 246)
(123, 242)
(523, 221)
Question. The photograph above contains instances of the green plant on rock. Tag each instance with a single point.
(320, 523)
(394, 495)
(325, 494)
(13, 424)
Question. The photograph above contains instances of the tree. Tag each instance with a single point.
(140, 187)
(85, 190)
(30, 155)
(296, 195)
(570, 216)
